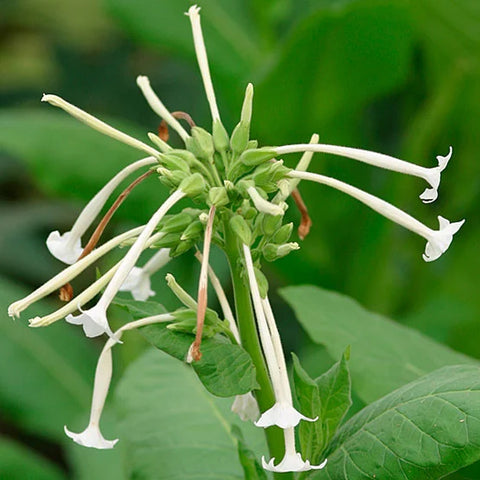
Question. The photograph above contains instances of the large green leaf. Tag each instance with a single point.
(385, 354)
(46, 373)
(422, 431)
(174, 429)
(67, 158)
(328, 397)
(20, 463)
(225, 369)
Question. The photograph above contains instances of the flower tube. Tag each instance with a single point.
(438, 241)
(431, 175)
(92, 436)
(94, 320)
(98, 125)
(67, 247)
(282, 414)
(69, 273)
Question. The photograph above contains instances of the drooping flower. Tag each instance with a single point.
(292, 460)
(438, 241)
(138, 280)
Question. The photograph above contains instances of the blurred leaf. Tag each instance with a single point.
(385, 355)
(47, 373)
(250, 464)
(424, 430)
(328, 397)
(20, 463)
(67, 158)
(335, 61)
(173, 428)
(225, 369)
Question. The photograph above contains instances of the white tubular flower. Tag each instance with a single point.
(263, 205)
(98, 125)
(92, 436)
(158, 107)
(431, 175)
(194, 16)
(67, 247)
(292, 461)
(282, 414)
(69, 273)
(438, 241)
(94, 320)
(138, 280)
(245, 406)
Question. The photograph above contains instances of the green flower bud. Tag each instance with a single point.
(186, 321)
(252, 145)
(283, 234)
(241, 229)
(174, 162)
(193, 231)
(271, 224)
(272, 252)
(193, 185)
(218, 196)
(176, 223)
(262, 282)
(200, 143)
(270, 172)
(181, 247)
(189, 157)
(240, 135)
(257, 156)
(246, 115)
(220, 136)
(180, 293)
(169, 240)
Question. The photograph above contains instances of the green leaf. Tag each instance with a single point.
(172, 428)
(46, 373)
(63, 154)
(336, 60)
(385, 354)
(225, 369)
(328, 398)
(251, 466)
(422, 431)
(20, 463)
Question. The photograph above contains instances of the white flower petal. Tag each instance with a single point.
(138, 283)
(291, 463)
(94, 321)
(441, 239)
(64, 247)
(91, 437)
(283, 415)
(246, 407)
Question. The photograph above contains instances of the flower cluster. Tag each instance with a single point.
(240, 193)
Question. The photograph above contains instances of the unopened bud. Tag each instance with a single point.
(200, 143)
(174, 162)
(193, 231)
(271, 223)
(181, 247)
(193, 185)
(272, 252)
(241, 229)
(252, 145)
(169, 240)
(257, 156)
(220, 136)
(246, 115)
(176, 223)
(240, 135)
(283, 233)
(218, 196)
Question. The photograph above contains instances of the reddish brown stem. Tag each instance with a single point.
(163, 132)
(66, 292)
(203, 287)
(306, 222)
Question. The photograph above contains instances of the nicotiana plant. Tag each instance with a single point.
(238, 193)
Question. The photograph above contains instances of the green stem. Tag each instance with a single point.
(250, 342)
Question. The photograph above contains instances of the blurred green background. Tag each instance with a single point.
(398, 77)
